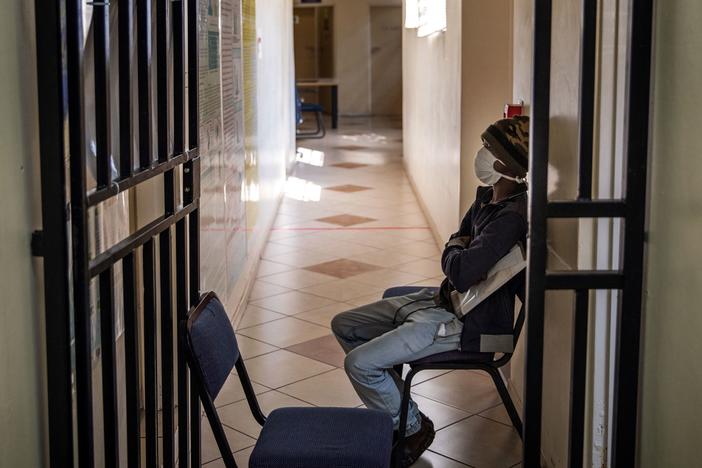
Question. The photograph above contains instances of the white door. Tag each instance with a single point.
(386, 60)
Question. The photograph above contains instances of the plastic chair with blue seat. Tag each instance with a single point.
(291, 437)
(302, 106)
(456, 360)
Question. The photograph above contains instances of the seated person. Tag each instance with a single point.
(398, 330)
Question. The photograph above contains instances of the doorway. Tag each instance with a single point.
(386, 60)
(313, 37)
(305, 44)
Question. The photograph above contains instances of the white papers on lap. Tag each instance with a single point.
(504, 270)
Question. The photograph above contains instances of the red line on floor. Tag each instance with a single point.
(379, 228)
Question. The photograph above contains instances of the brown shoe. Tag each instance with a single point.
(417, 443)
(426, 418)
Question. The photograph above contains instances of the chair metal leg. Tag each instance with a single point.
(494, 372)
(320, 132)
(249, 392)
(506, 398)
(218, 430)
(210, 411)
(320, 125)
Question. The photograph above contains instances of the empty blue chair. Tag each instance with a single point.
(300, 107)
(291, 437)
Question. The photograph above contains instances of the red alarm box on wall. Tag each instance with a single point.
(513, 109)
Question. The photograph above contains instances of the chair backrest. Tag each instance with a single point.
(519, 323)
(298, 108)
(212, 344)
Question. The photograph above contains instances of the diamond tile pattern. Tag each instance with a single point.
(343, 290)
(348, 188)
(346, 220)
(325, 349)
(342, 268)
(349, 147)
(349, 165)
(316, 265)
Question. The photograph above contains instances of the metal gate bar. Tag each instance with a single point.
(109, 368)
(79, 232)
(52, 242)
(632, 209)
(131, 359)
(150, 379)
(179, 129)
(60, 26)
(164, 154)
(182, 310)
(191, 176)
(536, 242)
(144, 81)
(624, 431)
(578, 378)
(125, 31)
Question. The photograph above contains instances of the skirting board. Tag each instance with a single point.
(239, 297)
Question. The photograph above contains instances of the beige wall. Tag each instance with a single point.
(456, 84)
(432, 119)
(21, 349)
(276, 122)
(521, 91)
(352, 43)
(275, 135)
(275, 127)
(486, 79)
(672, 375)
(562, 235)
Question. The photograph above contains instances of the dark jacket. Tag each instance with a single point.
(494, 228)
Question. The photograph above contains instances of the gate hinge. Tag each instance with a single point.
(38, 243)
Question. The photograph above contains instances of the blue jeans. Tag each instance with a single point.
(389, 332)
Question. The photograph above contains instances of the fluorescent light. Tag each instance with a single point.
(411, 14)
(431, 16)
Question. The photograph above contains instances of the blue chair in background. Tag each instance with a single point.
(302, 107)
(456, 360)
(291, 437)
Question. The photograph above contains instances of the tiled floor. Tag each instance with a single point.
(349, 227)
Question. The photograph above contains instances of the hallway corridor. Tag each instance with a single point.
(349, 227)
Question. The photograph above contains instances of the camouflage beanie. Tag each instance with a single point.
(508, 141)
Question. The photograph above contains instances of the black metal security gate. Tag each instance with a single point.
(159, 261)
(632, 209)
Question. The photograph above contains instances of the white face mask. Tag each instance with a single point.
(485, 168)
